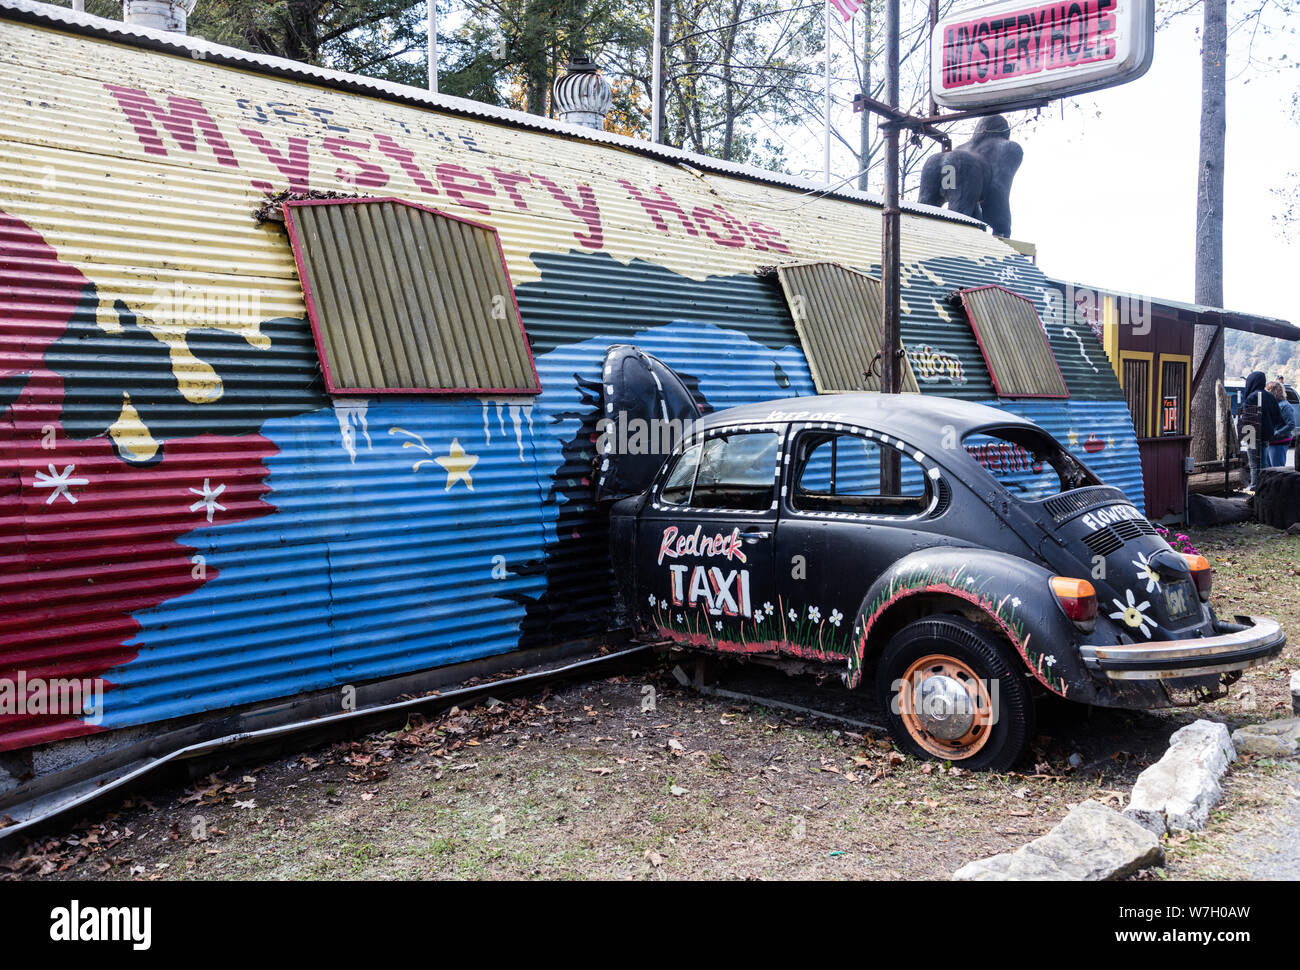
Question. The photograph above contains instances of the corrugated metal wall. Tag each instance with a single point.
(185, 512)
(371, 565)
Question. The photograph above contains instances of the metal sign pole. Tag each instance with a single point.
(890, 217)
(657, 76)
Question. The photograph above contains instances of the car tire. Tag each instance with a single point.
(1277, 497)
(969, 678)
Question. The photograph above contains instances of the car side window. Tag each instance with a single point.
(680, 481)
(847, 472)
(729, 471)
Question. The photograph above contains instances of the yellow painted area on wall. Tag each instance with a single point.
(1110, 334)
(144, 170)
(130, 436)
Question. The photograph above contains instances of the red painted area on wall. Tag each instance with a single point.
(73, 573)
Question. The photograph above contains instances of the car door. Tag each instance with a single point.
(851, 508)
(704, 542)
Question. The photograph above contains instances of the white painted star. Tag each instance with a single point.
(458, 465)
(208, 499)
(59, 481)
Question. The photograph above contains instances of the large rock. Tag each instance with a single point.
(1091, 844)
(1177, 793)
(1272, 739)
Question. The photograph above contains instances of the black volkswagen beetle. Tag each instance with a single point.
(958, 549)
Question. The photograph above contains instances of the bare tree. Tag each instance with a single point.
(1209, 224)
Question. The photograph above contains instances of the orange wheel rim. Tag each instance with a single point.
(945, 707)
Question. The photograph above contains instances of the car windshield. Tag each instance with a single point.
(1027, 462)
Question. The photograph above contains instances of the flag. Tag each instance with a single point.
(847, 8)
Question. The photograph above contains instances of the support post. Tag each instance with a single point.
(891, 216)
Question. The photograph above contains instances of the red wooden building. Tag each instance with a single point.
(1149, 343)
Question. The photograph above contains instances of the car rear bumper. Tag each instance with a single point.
(1248, 642)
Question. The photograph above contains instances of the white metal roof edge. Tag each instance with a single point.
(44, 14)
(1234, 319)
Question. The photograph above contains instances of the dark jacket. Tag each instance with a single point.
(1270, 415)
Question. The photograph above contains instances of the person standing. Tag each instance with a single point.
(1280, 442)
(1259, 416)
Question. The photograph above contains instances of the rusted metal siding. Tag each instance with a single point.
(839, 315)
(1014, 343)
(187, 514)
(403, 298)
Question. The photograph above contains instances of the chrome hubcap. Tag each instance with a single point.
(945, 709)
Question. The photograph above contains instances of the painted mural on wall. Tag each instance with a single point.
(137, 531)
(187, 516)
(90, 494)
(401, 479)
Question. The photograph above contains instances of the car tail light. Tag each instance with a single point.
(1078, 599)
(1202, 574)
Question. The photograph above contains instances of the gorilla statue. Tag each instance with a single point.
(975, 178)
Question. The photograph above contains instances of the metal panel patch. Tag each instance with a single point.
(839, 315)
(1014, 343)
(408, 299)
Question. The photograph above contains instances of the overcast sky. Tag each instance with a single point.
(1111, 199)
(1107, 190)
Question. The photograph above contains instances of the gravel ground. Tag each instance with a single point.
(1254, 834)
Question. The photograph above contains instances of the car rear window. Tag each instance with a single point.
(1027, 462)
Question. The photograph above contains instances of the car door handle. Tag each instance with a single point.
(755, 536)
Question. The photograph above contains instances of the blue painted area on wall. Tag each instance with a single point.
(1118, 463)
(369, 566)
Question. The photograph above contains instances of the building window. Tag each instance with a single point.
(1135, 378)
(1173, 394)
(1014, 344)
(839, 313)
(405, 299)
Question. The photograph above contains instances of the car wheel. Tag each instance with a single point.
(953, 691)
